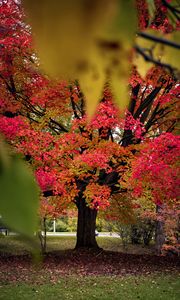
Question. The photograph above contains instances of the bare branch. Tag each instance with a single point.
(175, 11)
(158, 40)
(155, 61)
(59, 125)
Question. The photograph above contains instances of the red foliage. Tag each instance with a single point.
(143, 14)
(157, 169)
(71, 157)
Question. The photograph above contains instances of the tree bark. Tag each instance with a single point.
(86, 226)
(42, 234)
(159, 234)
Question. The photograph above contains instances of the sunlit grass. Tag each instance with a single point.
(14, 245)
(17, 246)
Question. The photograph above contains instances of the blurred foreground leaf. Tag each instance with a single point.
(77, 40)
(18, 194)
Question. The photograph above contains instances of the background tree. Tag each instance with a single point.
(156, 172)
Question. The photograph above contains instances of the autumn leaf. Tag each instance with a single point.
(68, 38)
(19, 194)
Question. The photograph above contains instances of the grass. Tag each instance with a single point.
(145, 286)
(105, 288)
(14, 245)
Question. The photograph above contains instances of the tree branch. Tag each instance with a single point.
(61, 127)
(147, 101)
(173, 9)
(158, 40)
(74, 108)
(171, 127)
(132, 104)
(155, 61)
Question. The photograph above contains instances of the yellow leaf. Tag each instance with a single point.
(70, 36)
(92, 83)
(64, 31)
(119, 75)
(120, 91)
(171, 54)
(117, 62)
(142, 65)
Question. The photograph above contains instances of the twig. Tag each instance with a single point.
(155, 61)
(158, 40)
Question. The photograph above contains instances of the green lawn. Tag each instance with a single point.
(76, 286)
(105, 288)
(12, 244)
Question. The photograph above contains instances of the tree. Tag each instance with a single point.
(85, 163)
(156, 172)
(76, 160)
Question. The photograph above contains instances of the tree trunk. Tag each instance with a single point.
(86, 226)
(42, 234)
(136, 234)
(159, 234)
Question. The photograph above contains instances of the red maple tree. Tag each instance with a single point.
(77, 161)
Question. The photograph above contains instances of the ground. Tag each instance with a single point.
(75, 274)
(82, 263)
